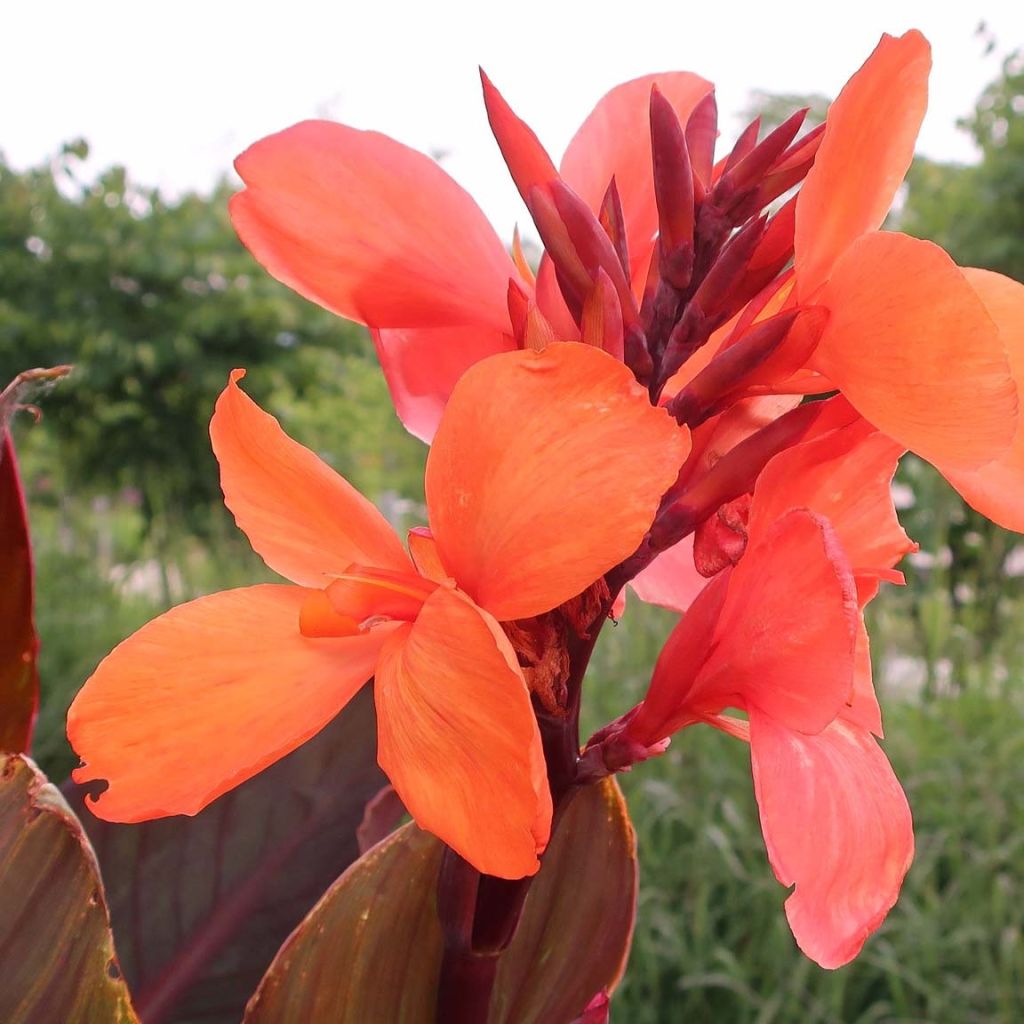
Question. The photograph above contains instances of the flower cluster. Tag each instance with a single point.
(703, 392)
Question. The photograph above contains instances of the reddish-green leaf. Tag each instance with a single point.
(371, 949)
(200, 905)
(19, 676)
(57, 960)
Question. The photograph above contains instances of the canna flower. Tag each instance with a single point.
(928, 352)
(527, 507)
(780, 635)
(378, 233)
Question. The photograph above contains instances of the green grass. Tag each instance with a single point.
(711, 940)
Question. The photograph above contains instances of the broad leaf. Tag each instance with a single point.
(200, 905)
(19, 645)
(55, 943)
(371, 949)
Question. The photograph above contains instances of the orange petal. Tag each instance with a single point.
(366, 593)
(552, 303)
(845, 476)
(997, 489)
(317, 617)
(207, 695)
(527, 160)
(370, 229)
(421, 366)
(546, 472)
(863, 710)
(423, 549)
(788, 628)
(672, 701)
(863, 157)
(913, 349)
(615, 141)
(837, 826)
(305, 520)
(458, 738)
(778, 632)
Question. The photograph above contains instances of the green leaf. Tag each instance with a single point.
(371, 949)
(55, 943)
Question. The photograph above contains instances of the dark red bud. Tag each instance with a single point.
(592, 245)
(673, 190)
(701, 132)
(727, 374)
(733, 475)
(721, 539)
(527, 160)
(718, 291)
(744, 144)
(601, 322)
(573, 276)
(749, 171)
(792, 168)
(612, 220)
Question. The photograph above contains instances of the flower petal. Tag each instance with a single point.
(421, 366)
(458, 738)
(837, 825)
(996, 489)
(778, 632)
(423, 549)
(546, 472)
(864, 155)
(304, 519)
(785, 641)
(615, 141)
(207, 695)
(370, 229)
(671, 580)
(913, 349)
(845, 476)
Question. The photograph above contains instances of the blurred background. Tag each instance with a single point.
(122, 261)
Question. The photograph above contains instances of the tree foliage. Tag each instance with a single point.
(154, 301)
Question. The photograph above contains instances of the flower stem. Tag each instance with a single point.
(479, 914)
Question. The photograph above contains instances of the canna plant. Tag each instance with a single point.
(701, 393)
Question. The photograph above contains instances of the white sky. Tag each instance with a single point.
(175, 90)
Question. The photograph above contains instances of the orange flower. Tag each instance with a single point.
(528, 506)
(781, 636)
(378, 233)
(929, 353)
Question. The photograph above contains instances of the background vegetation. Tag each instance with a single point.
(154, 301)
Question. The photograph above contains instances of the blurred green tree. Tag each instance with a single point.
(154, 301)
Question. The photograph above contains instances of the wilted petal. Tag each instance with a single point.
(837, 826)
(370, 229)
(615, 141)
(458, 738)
(422, 364)
(207, 695)
(997, 489)
(913, 349)
(546, 472)
(305, 520)
(863, 157)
